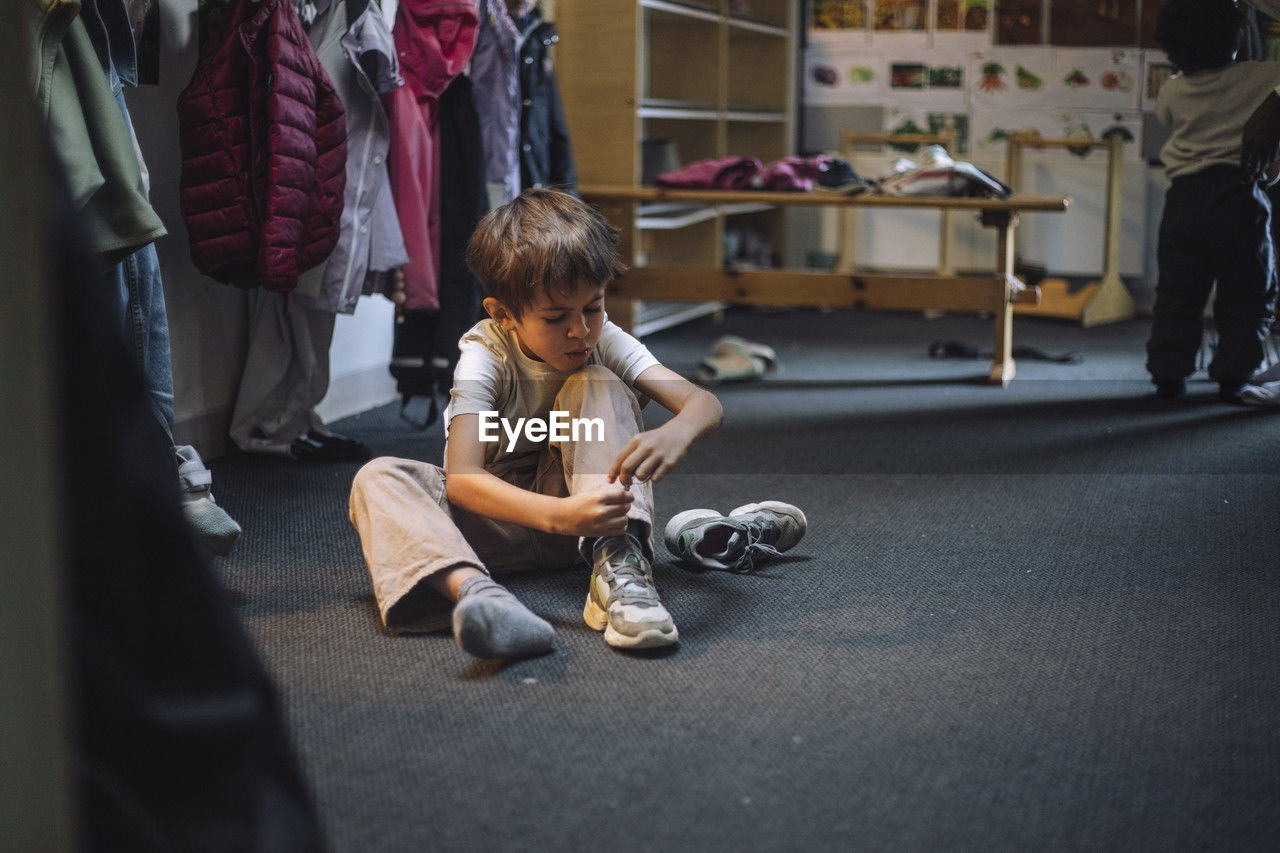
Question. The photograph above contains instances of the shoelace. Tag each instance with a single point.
(633, 583)
(755, 545)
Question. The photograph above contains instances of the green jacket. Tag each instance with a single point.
(88, 132)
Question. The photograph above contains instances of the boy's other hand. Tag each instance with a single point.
(602, 512)
(649, 455)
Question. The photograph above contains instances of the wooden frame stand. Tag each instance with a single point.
(1106, 300)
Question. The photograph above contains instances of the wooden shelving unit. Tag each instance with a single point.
(714, 80)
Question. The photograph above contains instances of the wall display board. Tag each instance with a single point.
(886, 53)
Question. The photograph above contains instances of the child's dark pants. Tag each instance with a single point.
(1216, 227)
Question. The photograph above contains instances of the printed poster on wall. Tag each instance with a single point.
(927, 118)
(1010, 77)
(962, 16)
(900, 24)
(990, 128)
(938, 77)
(900, 16)
(839, 22)
(836, 76)
(1097, 79)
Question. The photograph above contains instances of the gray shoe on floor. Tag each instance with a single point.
(209, 521)
(705, 539)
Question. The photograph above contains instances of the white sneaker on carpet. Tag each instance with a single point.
(1266, 394)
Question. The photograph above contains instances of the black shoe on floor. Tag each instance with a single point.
(321, 447)
(1229, 392)
(1171, 389)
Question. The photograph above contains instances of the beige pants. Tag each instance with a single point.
(286, 374)
(409, 530)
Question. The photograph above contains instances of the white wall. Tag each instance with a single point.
(361, 351)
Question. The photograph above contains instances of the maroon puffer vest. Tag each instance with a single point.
(263, 137)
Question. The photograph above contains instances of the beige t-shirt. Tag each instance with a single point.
(1206, 111)
(494, 374)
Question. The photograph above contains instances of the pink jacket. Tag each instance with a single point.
(434, 40)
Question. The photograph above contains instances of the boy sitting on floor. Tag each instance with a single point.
(547, 460)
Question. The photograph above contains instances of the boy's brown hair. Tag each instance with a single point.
(542, 241)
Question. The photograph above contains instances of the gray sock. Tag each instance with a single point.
(490, 622)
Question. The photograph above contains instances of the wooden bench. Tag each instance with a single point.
(993, 294)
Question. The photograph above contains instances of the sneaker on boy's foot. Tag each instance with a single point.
(705, 539)
(209, 521)
(623, 601)
(1171, 389)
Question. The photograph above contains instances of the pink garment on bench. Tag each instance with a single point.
(730, 173)
(795, 174)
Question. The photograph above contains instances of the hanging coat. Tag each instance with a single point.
(425, 344)
(356, 50)
(87, 132)
(495, 82)
(263, 141)
(546, 156)
(434, 40)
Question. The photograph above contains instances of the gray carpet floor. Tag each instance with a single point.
(1043, 617)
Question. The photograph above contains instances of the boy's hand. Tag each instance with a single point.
(597, 513)
(650, 455)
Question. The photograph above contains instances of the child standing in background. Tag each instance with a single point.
(1217, 216)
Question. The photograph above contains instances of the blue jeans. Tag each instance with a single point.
(146, 321)
(146, 327)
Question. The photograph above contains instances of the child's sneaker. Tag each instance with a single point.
(209, 521)
(705, 539)
(623, 601)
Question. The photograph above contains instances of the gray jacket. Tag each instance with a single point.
(495, 84)
(361, 61)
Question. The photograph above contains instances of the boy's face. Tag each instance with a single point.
(560, 330)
